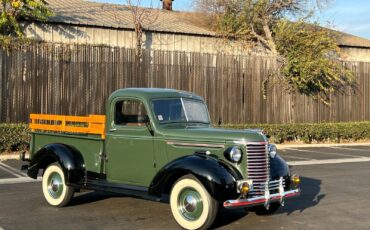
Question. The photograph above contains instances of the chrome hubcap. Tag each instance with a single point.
(190, 204)
(55, 185)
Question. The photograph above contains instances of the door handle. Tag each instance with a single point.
(112, 130)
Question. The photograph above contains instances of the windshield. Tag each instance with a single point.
(180, 110)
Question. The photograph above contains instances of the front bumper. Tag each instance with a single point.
(264, 194)
(262, 200)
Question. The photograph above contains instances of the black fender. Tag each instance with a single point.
(218, 178)
(69, 158)
(279, 168)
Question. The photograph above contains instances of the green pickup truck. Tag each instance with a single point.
(159, 144)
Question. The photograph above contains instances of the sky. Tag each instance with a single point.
(349, 16)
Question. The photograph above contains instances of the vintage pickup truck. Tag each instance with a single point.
(158, 143)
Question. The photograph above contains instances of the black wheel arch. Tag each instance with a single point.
(279, 168)
(69, 158)
(216, 176)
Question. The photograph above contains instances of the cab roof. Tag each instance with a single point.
(152, 93)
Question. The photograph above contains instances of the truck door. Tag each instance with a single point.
(129, 144)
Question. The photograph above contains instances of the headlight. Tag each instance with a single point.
(234, 154)
(272, 150)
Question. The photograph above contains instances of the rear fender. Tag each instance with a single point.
(69, 158)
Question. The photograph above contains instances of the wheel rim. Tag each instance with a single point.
(190, 204)
(55, 185)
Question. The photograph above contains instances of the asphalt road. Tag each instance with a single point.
(335, 195)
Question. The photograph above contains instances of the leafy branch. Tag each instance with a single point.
(13, 11)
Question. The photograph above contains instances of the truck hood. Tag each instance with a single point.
(211, 134)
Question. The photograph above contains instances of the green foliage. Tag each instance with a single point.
(251, 20)
(313, 133)
(14, 137)
(12, 11)
(240, 19)
(312, 65)
(10, 42)
(233, 23)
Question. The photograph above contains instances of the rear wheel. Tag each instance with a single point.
(55, 190)
(191, 204)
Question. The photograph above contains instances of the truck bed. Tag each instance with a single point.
(86, 134)
(90, 146)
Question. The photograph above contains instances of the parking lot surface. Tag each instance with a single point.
(335, 195)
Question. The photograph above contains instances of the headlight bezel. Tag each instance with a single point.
(234, 154)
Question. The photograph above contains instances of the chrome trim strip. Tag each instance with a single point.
(261, 200)
(250, 143)
(184, 144)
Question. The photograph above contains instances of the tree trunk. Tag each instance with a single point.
(269, 38)
(139, 39)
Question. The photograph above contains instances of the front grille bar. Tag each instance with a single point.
(258, 167)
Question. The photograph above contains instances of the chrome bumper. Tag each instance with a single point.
(262, 200)
(264, 197)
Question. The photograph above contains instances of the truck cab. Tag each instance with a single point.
(155, 143)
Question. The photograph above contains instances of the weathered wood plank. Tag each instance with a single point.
(77, 80)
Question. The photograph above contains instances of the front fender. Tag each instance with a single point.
(218, 178)
(279, 168)
(69, 158)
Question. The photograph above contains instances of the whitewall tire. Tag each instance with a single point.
(191, 204)
(55, 190)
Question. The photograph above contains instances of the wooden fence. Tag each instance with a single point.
(77, 80)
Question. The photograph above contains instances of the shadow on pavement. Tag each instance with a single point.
(310, 197)
(228, 216)
(90, 197)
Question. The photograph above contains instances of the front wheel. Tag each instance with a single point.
(55, 190)
(191, 204)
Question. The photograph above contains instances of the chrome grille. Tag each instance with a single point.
(258, 167)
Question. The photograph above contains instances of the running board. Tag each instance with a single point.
(129, 190)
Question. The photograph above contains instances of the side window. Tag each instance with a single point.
(130, 113)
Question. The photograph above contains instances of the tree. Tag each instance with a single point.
(307, 54)
(13, 11)
(311, 64)
(142, 18)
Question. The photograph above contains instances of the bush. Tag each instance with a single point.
(14, 137)
(312, 133)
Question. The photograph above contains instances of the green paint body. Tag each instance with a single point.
(134, 154)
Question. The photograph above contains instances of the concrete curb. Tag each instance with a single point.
(287, 146)
(11, 156)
